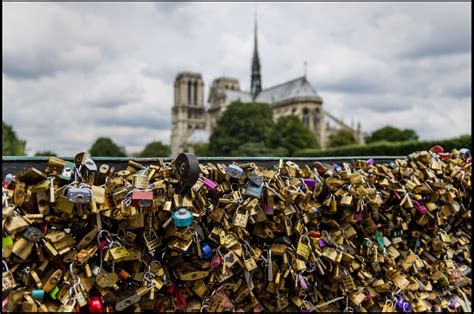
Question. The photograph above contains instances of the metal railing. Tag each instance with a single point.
(13, 164)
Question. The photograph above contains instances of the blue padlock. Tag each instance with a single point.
(234, 171)
(206, 251)
(37, 294)
(182, 218)
(402, 305)
(254, 190)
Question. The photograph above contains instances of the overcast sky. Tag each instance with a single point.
(73, 72)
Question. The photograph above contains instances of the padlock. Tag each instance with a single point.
(79, 195)
(187, 171)
(140, 180)
(8, 282)
(151, 240)
(254, 190)
(67, 171)
(234, 171)
(142, 199)
(182, 217)
(22, 248)
(240, 219)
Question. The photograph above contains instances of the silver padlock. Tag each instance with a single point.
(79, 195)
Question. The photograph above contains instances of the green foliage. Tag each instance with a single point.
(155, 149)
(241, 123)
(255, 149)
(290, 134)
(11, 145)
(202, 150)
(388, 148)
(45, 153)
(391, 134)
(341, 138)
(104, 147)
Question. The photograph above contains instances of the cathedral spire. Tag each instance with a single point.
(256, 80)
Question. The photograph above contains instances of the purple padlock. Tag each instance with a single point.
(310, 183)
(322, 243)
(358, 216)
(303, 282)
(267, 209)
(370, 162)
(402, 305)
(211, 185)
(436, 308)
(452, 303)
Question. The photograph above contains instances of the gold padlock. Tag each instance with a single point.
(22, 247)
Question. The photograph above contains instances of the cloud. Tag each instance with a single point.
(73, 72)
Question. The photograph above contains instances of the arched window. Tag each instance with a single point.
(306, 117)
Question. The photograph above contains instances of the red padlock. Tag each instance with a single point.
(95, 304)
(314, 234)
(142, 199)
(215, 262)
(437, 149)
(8, 181)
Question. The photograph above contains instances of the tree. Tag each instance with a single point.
(341, 138)
(104, 147)
(155, 149)
(45, 153)
(391, 134)
(253, 149)
(289, 133)
(202, 149)
(11, 145)
(241, 123)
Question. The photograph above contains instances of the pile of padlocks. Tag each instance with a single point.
(184, 236)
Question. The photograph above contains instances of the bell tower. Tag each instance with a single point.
(188, 110)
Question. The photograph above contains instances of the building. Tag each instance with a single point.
(192, 122)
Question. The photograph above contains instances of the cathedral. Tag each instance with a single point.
(193, 122)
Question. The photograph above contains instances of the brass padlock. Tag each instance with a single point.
(22, 248)
(15, 224)
(8, 282)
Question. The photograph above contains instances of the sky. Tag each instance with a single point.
(73, 72)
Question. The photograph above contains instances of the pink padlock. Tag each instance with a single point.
(211, 185)
(421, 208)
(215, 262)
(4, 305)
(103, 244)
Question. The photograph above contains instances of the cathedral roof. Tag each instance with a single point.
(299, 87)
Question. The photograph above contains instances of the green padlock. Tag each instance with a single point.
(7, 245)
(54, 293)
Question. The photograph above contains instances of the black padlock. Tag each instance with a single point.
(187, 171)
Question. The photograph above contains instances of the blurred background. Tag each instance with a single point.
(376, 78)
